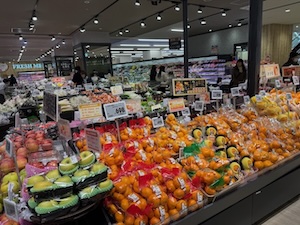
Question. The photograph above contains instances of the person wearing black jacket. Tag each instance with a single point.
(77, 78)
(293, 60)
(239, 74)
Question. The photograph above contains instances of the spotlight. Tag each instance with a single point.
(53, 38)
(230, 25)
(239, 24)
(203, 22)
(137, 3)
(200, 10)
(127, 31)
(20, 37)
(158, 17)
(82, 29)
(63, 42)
(25, 42)
(34, 17)
(210, 30)
(121, 32)
(188, 26)
(224, 14)
(96, 21)
(177, 8)
(143, 24)
(23, 46)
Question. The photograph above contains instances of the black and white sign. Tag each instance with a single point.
(246, 99)
(11, 209)
(9, 147)
(115, 110)
(175, 43)
(186, 111)
(199, 106)
(88, 87)
(295, 80)
(289, 96)
(277, 84)
(262, 93)
(235, 91)
(216, 94)
(258, 98)
(50, 105)
(158, 122)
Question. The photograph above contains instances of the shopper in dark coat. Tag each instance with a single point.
(77, 78)
(293, 60)
(153, 73)
(239, 74)
(12, 80)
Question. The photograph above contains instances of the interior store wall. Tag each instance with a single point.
(201, 45)
(277, 42)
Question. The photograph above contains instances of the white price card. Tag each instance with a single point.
(11, 209)
(76, 115)
(216, 94)
(186, 111)
(246, 99)
(288, 96)
(199, 106)
(263, 93)
(9, 146)
(258, 98)
(277, 84)
(155, 107)
(115, 110)
(116, 90)
(88, 87)
(295, 80)
(235, 91)
(158, 122)
(92, 140)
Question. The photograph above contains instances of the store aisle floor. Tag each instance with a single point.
(290, 215)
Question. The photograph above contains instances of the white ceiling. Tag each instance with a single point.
(64, 18)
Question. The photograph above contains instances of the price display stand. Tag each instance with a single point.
(217, 95)
(199, 106)
(235, 92)
(295, 82)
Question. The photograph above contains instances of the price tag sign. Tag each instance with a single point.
(93, 140)
(155, 107)
(90, 111)
(64, 129)
(235, 91)
(158, 122)
(295, 80)
(199, 106)
(217, 94)
(246, 99)
(262, 93)
(258, 98)
(50, 105)
(17, 120)
(88, 87)
(176, 105)
(116, 90)
(9, 147)
(186, 111)
(289, 96)
(277, 84)
(68, 88)
(76, 115)
(11, 209)
(115, 110)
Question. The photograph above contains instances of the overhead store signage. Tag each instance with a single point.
(176, 105)
(269, 71)
(90, 111)
(175, 43)
(28, 66)
(189, 86)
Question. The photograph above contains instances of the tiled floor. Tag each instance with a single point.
(290, 215)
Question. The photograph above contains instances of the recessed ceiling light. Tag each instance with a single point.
(177, 30)
(203, 22)
(158, 17)
(200, 10)
(224, 14)
(63, 42)
(135, 45)
(297, 26)
(126, 31)
(230, 25)
(96, 21)
(20, 37)
(34, 17)
(143, 24)
(23, 46)
(239, 24)
(137, 3)
(210, 30)
(287, 10)
(53, 38)
(121, 32)
(177, 8)
(188, 26)
(82, 29)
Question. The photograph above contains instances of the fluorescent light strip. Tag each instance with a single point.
(177, 30)
(154, 40)
(121, 49)
(148, 49)
(135, 45)
(160, 45)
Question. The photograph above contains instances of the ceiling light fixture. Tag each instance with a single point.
(135, 45)
(287, 10)
(158, 17)
(31, 24)
(297, 26)
(20, 37)
(230, 25)
(210, 30)
(53, 38)
(203, 22)
(23, 46)
(121, 32)
(143, 24)
(154, 40)
(127, 31)
(137, 3)
(200, 10)
(25, 42)
(34, 17)
(239, 24)
(63, 42)
(188, 26)
(87, 46)
(177, 30)
(82, 29)
(96, 21)
(223, 13)
(177, 8)
(57, 46)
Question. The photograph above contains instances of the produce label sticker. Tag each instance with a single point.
(93, 140)
(235, 92)
(186, 111)
(9, 147)
(217, 94)
(11, 209)
(199, 106)
(155, 107)
(115, 110)
(246, 99)
(90, 111)
(176, 105)
(116, 90)
(277, 84)
(295, 80)
(64, 129)
(88, 87)
(158, 122)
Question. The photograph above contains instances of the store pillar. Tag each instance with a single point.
(255, 27)
(277, 42)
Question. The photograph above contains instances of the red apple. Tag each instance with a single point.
(22, 151)
(40, 134)
(39, 139)
(21, 161)
(7, 165)
(17, 145)
(32, 146)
